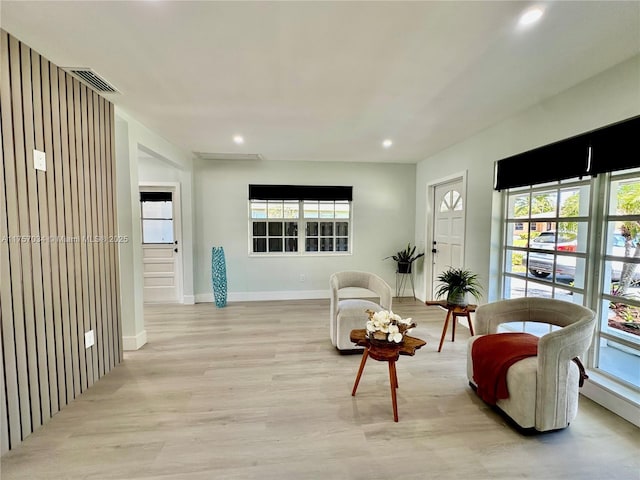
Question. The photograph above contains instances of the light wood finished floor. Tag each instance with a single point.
(256, 391)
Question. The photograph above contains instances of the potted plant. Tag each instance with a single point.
(456, 283)
(405, 258)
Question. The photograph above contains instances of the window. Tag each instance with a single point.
(452, 200)
(274, 225)
(617, 344)
(549, 259)
(557, 262)
(326, 226)
(312, 223)
(157, 217)
(583, 245)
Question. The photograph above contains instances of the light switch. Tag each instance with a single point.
(39, 160)
(89, 339)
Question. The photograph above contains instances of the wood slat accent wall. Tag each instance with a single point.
(58, 241)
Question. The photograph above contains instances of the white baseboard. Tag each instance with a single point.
(189, 299)
(281, 295)
(134, 342)
(204, 297)
(612, 396)
(265, 296)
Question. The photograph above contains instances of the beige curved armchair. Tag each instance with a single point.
(350, 313)
(543, 390)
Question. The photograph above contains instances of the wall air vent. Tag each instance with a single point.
(228, 156)
(92, 79)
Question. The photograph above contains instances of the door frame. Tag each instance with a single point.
(174, 188)
(430, 212)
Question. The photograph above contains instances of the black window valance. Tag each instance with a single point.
(155, 196)
(299, 192)
(557, 161)
(614, 147)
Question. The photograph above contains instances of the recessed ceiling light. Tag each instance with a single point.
(239, 139)
(387, 143)
(531, 15)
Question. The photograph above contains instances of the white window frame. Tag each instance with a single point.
(593, 293)
(302, 224)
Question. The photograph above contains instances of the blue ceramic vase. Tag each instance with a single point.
(219, 276)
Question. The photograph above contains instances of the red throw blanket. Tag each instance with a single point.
(492, 356)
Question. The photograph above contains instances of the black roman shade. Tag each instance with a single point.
(299, 192)
(614, 147)
(557, 161)
(155, 196)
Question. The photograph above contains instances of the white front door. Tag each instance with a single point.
(448, 228)
(159, 245)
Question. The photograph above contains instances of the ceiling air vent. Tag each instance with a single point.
(228, 156)
(92, 79)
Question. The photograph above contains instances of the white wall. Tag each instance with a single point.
(606, 98)
(152, 169)
(383, 223)
(131, 138)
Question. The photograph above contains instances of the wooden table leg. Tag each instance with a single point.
(453, 327)
(365, 354)
(470, 324)
(444, 330)
(395, 376)
(393, 381)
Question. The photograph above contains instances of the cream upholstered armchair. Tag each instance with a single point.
(542, 389)
(350, 313)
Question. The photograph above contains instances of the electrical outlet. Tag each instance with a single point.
(302, 277)
(89, 339)
(39, 160)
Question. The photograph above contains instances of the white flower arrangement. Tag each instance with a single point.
(388, 326)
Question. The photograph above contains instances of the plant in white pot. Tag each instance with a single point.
(457, 284)
(405, 258)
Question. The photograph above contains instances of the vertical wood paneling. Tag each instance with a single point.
(58, 264)
(106, 228)
(36, 341)
(42, 259)
(75, 270)
(9, 256)
(24, 324)
(4, 429)
(60, 281)
(69, 280)
(82, 210)
(95, 127)
(50, 265)
(114, 272)
(90, 198)
(4, 270)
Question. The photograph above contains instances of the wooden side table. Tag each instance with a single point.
(454, 311)
(384, 352)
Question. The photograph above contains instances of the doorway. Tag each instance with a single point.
(160, 223)
(449, 219)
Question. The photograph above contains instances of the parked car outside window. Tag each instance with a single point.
(541, 264)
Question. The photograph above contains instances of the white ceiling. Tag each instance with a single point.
(327, 80)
